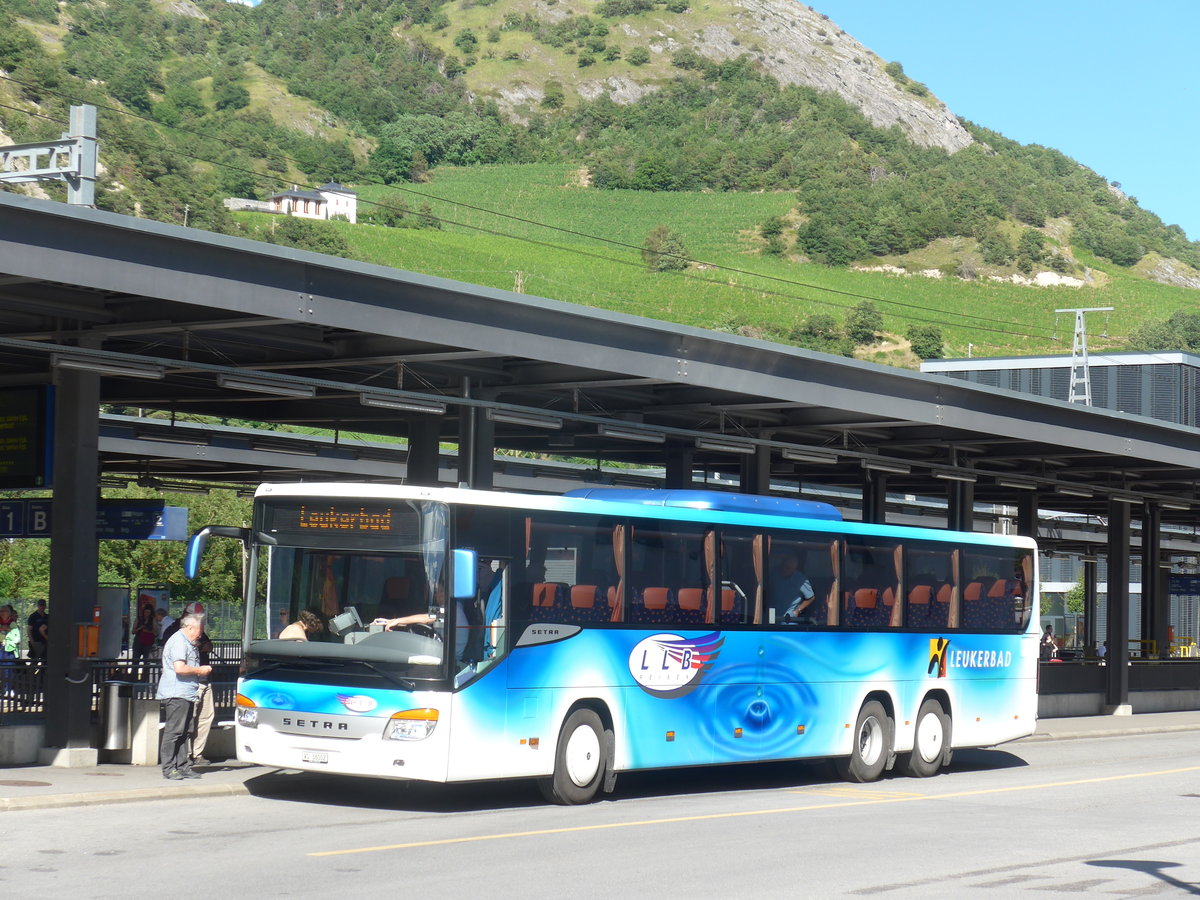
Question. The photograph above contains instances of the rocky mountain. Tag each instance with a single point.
(791, 42)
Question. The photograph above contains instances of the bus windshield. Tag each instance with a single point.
(366, 581)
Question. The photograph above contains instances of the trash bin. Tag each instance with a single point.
(117, 714)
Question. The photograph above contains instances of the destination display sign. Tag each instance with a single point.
(26, 428)
(395, 522)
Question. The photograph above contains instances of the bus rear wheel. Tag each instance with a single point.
(931, 742)
(579, 761)
(872, 744)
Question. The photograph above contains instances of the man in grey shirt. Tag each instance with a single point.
(177, 689)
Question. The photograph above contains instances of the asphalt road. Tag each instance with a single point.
(1114, 816)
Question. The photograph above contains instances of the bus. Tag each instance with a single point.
(571, 638)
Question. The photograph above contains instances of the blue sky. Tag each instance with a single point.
(1113, 84)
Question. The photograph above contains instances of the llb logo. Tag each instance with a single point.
(667, 665)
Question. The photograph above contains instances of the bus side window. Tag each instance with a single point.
(738, 585)
(871, 577)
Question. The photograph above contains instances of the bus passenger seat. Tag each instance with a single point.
(865, 607)
(888, 595)
(919, 598)
(974, 611)
(549, 599)
(999, 605)
(731, 607)
(588, 604)
(396, 590)
(654, 605)
(691, 605)
(939, 610)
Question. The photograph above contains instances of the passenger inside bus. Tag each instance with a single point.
(790, 591)
(308, 623)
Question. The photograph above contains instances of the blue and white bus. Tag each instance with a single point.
(575, 637)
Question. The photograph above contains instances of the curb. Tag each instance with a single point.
(100, 798)
(1109, 732)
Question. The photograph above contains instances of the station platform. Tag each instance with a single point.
(53, 787)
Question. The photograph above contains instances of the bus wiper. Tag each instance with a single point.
(404, 683)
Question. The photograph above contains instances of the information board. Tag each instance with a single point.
(26, 444)
(1186, 585)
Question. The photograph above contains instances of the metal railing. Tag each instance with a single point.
(23, 682)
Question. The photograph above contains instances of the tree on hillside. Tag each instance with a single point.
(1179, 332)
(821, 331)
(663, 250)
(318, 237)
(864, 322)
(927, 341)
(996, 249)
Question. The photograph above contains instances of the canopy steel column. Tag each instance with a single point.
(1156, 602)
(1089, 601)
(74, 559)
(481, 450)
(680, 461)
(960, 506)
(424, 433)
(874, 498)
(756, 472)
(1116, 698)
(1027, 514)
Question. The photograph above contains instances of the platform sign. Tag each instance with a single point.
(133, 520)
(1185, 585)
(26, 437)
(116, 520)
(12, 519)
(37, 518)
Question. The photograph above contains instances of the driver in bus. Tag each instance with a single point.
(403, 621)
(791, 593)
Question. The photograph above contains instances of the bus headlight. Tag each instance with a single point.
(246, 712)
(411, 725)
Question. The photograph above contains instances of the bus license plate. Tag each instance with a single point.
(316, 757)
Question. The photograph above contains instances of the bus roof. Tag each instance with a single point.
(721, 501)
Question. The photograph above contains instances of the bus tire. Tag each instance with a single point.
(580, 761)
(931, 742)
(872, 744)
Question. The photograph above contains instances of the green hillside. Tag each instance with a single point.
(479, 153)
(734, 287)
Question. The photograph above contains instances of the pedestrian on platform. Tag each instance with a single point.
(144, 638)
(10, 646)
(177, 691)
(1048, 647)
(204, 712)
(162, 621)
(38, 625)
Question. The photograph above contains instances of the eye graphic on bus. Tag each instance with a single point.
(667, 665)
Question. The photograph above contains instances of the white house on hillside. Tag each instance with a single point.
(325, 202)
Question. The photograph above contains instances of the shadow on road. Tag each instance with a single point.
(388, 794)
(1151, 867)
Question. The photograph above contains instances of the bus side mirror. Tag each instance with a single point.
(464, 587)
(198, 542)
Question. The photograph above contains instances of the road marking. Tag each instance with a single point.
(871, 798)
(854, 791)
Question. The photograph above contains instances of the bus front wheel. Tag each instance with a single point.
(579, 761)
(931, 742)
(872, 744)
